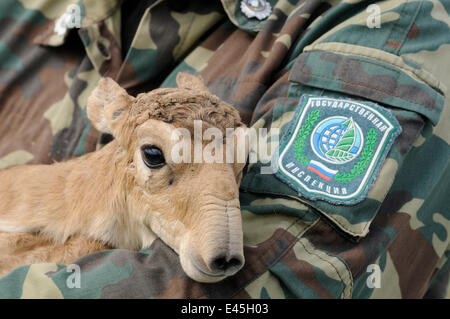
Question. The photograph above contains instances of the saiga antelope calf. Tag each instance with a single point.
(130, 191)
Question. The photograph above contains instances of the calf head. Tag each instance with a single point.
(192, 205)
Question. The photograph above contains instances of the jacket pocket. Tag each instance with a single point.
(414, 98)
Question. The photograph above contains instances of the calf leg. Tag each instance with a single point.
(17, 249)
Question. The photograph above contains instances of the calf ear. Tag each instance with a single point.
(191, 82)
(106, 105)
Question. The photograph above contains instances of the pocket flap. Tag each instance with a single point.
(370, 79)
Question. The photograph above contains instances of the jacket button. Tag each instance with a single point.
(259, 9)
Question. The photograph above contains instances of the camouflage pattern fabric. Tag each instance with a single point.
(294, 248)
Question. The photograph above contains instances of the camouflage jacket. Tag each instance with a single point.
(295, 246)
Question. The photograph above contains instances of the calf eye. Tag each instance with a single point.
(152, 156)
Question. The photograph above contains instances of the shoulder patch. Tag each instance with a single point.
(333, 148)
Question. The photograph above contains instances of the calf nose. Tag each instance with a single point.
(229, 265)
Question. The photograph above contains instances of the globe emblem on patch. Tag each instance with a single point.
(337, 140)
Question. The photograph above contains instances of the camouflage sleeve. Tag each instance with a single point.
(392, 243)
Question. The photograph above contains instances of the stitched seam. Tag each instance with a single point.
(343, 80)
(345, 227)
(424, 81)
(332, 265)
(323, 214)
(395, 25)
(341, 226)
(348, 271)
(374, 63)
(407, 29)
(369, 86)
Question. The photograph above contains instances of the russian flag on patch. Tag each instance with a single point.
(321, 170)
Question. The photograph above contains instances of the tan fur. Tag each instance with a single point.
(22, 249)
(109, 198)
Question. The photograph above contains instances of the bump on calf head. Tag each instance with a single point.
(182, 106)
(112, 110)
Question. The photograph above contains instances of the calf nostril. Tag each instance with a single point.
(223, 264)
(220, 263)
(234, 262)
